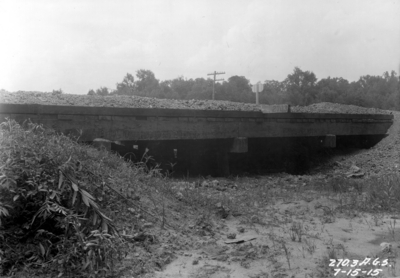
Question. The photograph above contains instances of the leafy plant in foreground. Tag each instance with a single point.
(48, 218)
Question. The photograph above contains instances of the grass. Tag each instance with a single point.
(310, 245)
(373, 195)
(64, 204)
(392, 229)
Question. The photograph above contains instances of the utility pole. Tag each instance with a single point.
(215, 74)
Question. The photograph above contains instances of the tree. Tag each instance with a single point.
(102, 91)
(391, 101)
(377, 91)
(91, 92)
(272, 93)
(236, 89)
(300, 87)
(146, 82)
(182, 86)
(332, 90)
(127, 86)
(201, 89)
(166, 90)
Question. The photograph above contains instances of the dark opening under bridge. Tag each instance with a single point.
(211, 141)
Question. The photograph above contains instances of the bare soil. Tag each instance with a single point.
(330, 227)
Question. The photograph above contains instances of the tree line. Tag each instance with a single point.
(299, 88)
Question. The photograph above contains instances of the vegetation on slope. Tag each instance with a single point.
(55, 195)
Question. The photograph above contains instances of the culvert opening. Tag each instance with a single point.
(245, 156)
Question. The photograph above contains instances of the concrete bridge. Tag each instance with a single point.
(198, 137)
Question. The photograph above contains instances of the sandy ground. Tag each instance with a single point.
(324, 234)
(328, 228)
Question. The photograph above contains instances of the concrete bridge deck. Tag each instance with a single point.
(180, 124)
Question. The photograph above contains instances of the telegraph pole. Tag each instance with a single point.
(215, 74)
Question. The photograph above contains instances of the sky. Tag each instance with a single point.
(81, 45)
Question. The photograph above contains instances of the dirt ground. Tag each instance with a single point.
(293, 226)
(267, 249)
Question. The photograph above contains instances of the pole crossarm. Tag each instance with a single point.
(215, 74)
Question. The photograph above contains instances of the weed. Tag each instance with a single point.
(377, 218)
(302, 250)
(309, 275)
(337, 184)
(392, 265)
(163, 215)
(385, 197)
(287, 252)
(51, 190)
(323, 269)
(342, 248)
(274, 238)
(296, 231)
(392, 229)
(315, 235)
(350, 225)
(292, 234)
(310, 245)
(368, 223)
(329, 215)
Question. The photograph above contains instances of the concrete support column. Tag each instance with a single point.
(239, 145)
(330, 141)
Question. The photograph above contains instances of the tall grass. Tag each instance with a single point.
(55, 195)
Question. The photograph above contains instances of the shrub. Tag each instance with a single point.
(57, 92)
(383, 193)
(50, 215)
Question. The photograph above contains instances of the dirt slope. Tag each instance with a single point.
(381, 159)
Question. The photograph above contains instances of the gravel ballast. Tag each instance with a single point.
(122, 101)
(146, 102)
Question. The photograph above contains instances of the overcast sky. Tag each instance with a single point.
(82, 45)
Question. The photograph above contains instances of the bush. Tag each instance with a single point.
(50, 216)
(384, 193)
(57, 92)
